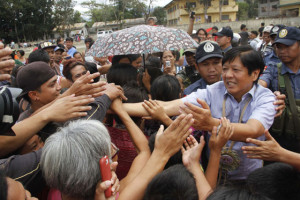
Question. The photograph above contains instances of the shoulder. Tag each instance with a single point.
(264, 94)
(194, 86)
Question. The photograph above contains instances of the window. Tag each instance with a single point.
(208, 19)
(274, 7)
(190, 5)
(263, 9)
(225, 17)
(225, 2)
(208, 3)
(264, 1)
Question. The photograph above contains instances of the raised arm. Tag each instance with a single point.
(139, 140)
(61, 110)
(167, 143)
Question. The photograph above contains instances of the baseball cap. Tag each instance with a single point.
(58, 48)
(33, 75)
(224, 32)
(208, 49)
(268, 29)
(45, 45)
(192, 50)
(276, 28)
(288, 36)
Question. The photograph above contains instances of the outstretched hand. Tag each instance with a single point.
(280, 102)
(69, 107)
(203, 119)
(191, 152)
(219, 139)
(169, 142)
(266, 150)
(7, 65)
(155, 110)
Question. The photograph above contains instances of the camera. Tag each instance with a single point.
(192, 14)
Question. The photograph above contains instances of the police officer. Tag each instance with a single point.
(285, 77)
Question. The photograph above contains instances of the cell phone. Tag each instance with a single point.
(105, 173)
(192, 15)
(168, 63)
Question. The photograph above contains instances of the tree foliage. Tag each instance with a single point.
(160, 14)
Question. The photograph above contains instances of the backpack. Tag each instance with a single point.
(288, 124)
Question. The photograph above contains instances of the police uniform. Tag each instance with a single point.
(278, 77)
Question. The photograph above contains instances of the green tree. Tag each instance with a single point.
(242, 13)
(64, 14)
(160, 14)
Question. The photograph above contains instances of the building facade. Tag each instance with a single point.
(289, 8)
(268, 8)
(178, 11)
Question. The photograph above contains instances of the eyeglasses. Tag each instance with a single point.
(115, 149)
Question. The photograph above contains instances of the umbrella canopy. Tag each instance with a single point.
(142, 39)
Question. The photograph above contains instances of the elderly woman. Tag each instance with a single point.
(70, 159)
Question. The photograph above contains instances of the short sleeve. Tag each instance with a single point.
(268, 75)
(264, 108)
(192, 98)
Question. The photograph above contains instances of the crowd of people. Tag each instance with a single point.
(220, 121)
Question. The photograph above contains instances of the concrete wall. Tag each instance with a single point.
(251, 24)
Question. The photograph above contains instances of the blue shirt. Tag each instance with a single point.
(72, 51)
(270, 75)
(271, 58)
(200, 84)
(227, 49)
(260, 108)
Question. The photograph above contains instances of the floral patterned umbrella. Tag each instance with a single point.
(142, 39)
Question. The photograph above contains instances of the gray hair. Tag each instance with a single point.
(70, 158)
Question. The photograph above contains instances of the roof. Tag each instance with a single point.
(76, 26)
(289, 4)
(169, 3)
(135, 21)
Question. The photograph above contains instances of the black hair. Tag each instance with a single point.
(262, 24)
(214, 27)
(69, 65)
(39, 55)
(58, 40)
(255, 33)
(234, 193)
(69, 39)
(195, 36)
(134, 94)
(243, 26)
(3, 186)
(176, 54)
(133, 57)
(175, 159)
(201, 29)
(276, 181)
(250, 58)
(153, 67)
(90, 40)
(116, 59)
(77, 52)
(122, 73)
(21, 52)
(165, 88)
(61, 46)
(174, 183)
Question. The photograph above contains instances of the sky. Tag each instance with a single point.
(82, 9)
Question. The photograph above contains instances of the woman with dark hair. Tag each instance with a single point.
(202, 34)
(151, 72)
(168, 60)
(165, 88)
(21, 57)
(136, 60)
(122, 73)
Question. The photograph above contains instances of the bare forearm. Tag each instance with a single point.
(244, 131)
(212, 169)
(289, 157)
(136, 189)
(137, 136)
(191, 26)
(24, 130)
(203, 187)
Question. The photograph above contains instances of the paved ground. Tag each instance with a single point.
(80, 46)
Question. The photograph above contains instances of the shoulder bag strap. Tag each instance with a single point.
(292, 102)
